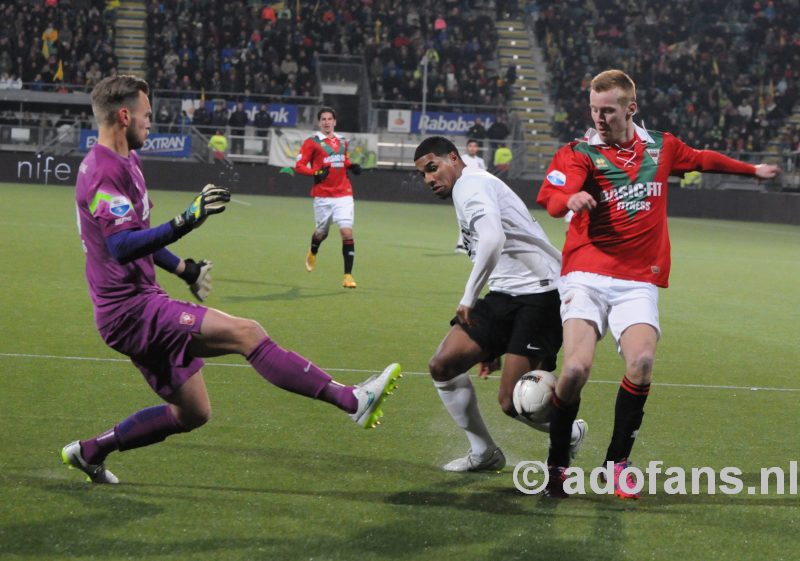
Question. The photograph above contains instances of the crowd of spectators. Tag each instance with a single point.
(247, 47)
(55, 41)
(234, 46)
(726, 80)
(789, 140)
(723, 74)
(461, 45)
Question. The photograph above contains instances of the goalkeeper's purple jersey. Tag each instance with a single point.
(111, 196)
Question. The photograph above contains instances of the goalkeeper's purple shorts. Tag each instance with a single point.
(155, 336)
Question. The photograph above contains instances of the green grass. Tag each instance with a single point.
(274, 476)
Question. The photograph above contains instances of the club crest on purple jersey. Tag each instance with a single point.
(120, 206)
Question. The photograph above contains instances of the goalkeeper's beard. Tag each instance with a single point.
(132, 136)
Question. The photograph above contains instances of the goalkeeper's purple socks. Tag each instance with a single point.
(341, 396)
(292, 372)
(143, 428)
(95, 450)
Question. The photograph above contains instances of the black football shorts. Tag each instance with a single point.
(526, 325)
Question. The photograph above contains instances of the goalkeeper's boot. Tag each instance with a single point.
(579, 430)
(371, 393)
(491, 460)
(349, 281)
(311, 261)
(72, 457)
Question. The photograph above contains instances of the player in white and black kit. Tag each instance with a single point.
(471, 160)
(519, 317)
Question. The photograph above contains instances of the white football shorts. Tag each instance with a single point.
(609, 303)
(333, 209)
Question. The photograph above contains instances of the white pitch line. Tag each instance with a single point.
(238, 202)
(741, 227)
(357, 370)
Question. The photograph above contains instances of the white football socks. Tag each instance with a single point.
(461, 402)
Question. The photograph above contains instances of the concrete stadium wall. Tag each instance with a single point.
(383, 185)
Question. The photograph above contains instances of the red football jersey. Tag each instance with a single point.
(318, 152)
(626, 235)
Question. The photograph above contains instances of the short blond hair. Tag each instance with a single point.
(113, 93)
(610, 79)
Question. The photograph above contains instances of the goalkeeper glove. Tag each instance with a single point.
(355, 169)
(198, 276)
(211, 200)
(321, 174)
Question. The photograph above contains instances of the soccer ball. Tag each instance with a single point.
(532, 395)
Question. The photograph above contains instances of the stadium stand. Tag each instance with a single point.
(726, 78)
(42, 43)
(239, 46)
(461, 71)
(234, 46)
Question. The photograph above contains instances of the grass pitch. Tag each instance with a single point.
(275, 476)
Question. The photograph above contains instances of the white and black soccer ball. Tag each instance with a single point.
(532, 395)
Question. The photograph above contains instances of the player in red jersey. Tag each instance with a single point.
(324, 157)
(616, 255)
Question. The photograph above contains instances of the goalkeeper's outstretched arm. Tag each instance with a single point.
(128, 245)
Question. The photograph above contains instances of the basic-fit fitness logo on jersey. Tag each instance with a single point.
(335, 160)
(632, 198)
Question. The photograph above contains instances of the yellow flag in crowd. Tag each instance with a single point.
(59, 75)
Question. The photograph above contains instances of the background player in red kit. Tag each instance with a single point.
(324, 156)
(616, 255)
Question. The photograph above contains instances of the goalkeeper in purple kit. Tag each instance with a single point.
(166, 339)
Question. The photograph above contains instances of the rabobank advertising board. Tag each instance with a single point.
(157, 144)
(283, 115)
(447, 124)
